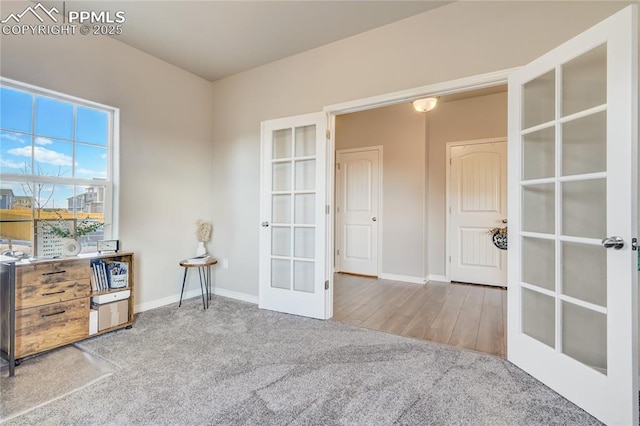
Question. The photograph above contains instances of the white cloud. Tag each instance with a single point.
(12, 137)
(22, 152)
(91, 173)
(8, 164)
(43, 141)
(43, 155)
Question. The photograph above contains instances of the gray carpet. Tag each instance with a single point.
(47, 377)
(235, 364)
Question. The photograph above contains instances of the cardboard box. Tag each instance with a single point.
(112, 314)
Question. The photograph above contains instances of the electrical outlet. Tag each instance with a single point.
(225, 263)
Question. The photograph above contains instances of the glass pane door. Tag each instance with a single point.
(573, 174)
(564, 218)
(293, 200)
(293, 235)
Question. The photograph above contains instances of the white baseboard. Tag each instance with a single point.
(403, 278)
(190, 294)
(438, 278)
(236, 295)
(146, 306)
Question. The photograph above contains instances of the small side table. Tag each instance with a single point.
(204, 272)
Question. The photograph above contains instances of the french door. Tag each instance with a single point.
(293, 216)
(572, 264)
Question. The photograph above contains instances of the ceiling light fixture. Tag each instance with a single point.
(426, 104)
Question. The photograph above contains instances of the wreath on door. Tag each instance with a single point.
(499, 237)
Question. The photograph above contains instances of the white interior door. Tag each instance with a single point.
(357, 178)
(293, 228)
(572, 304)
(477, 203)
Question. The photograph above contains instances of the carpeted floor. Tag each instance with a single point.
(235, 364)
(50, 376)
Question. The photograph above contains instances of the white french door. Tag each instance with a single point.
(357, 210)
(292, 211)
(572, 303)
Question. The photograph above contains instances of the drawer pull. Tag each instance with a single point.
(53, 273)
(55, 313)
(53, 292)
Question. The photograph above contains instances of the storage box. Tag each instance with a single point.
(111, 297)
(119, 281)
(93, 321)
(112, 314)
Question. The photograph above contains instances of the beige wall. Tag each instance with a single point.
(400, 130)
(458, 40)
(476, 118)
(166, 150)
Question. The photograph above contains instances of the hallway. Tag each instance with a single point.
(463, 315)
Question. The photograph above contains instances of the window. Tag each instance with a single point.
(58, 155)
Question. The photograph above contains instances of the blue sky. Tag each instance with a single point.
(43, 129)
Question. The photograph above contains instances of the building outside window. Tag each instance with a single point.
(58, 162)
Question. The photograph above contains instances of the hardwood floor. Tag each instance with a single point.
(463, 315)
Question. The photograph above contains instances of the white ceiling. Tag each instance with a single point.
(215, 39)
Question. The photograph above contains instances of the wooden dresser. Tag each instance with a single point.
(53, 301)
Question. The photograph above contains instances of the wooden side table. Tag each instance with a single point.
(204, 272)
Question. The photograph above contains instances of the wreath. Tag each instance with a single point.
(499, 237)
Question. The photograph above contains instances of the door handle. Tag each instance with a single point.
(613, 242)
(374, 218)
(265, 224)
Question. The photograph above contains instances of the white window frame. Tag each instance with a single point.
(111, 183)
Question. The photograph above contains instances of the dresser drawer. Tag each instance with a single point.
(50, 326)
(52, 272)
(42, 284)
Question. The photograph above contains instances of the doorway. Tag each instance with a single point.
(412, 296)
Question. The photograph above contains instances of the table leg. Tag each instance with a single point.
(184, 279)
(202, 286)
(208, 284)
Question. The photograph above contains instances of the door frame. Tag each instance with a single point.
(380, 151)
(449, 87)
(447, 220)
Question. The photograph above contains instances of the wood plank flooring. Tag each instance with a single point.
(463, 315)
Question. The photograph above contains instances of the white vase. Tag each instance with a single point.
(201, 250)
(71, 247)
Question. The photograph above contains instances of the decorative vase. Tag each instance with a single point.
(201, 250)
(71, 247)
